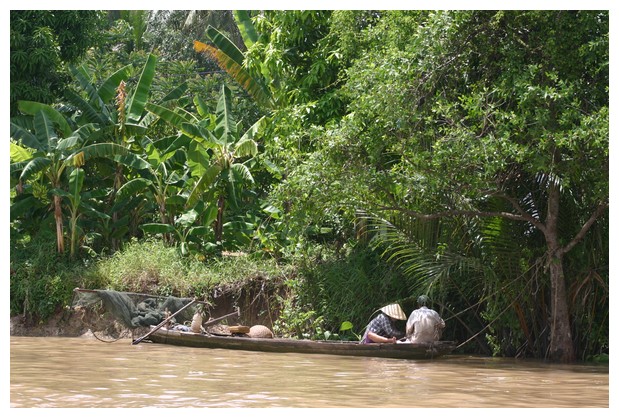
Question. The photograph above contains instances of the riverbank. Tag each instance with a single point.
(60, 325)
(256, 298)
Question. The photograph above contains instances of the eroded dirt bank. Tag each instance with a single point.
(256, 298)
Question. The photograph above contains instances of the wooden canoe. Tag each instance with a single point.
(285, 345)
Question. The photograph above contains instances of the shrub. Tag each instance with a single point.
(41, 281)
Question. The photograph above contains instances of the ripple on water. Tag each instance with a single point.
(44, 373)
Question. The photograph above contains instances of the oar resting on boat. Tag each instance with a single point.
(168, 319)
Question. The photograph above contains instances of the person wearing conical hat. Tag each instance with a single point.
(382, 328)
(424, 325)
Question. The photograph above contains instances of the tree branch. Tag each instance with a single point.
(448, 213)
(528, 217)
(585, 228)
(521, 215)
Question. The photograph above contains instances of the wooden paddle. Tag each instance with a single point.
(139, 340)
(221, 318)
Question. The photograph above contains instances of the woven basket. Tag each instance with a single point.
(260, 331)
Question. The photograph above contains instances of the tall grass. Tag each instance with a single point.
(42, 281)
(152, 267)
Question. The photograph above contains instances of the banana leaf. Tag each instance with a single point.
(253, 86)
(89, 112)
(107, 91)
(226, 126)
(44, 130)
(32, 108)
(225, 45)
(114, 152)
(172, 117)
(246, 27)
(206, 180)
(83, 77)
(22, 206)
(133, 187)
(176, 93)
(34, 166)
(76, 182)
(140, 95)
(19, 154)
(157, 228)
(25, 137)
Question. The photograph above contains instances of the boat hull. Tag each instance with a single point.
(281, 345)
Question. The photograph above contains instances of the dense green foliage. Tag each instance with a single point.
(42, 41)
(377, 154)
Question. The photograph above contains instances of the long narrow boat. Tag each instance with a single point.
(284, 345)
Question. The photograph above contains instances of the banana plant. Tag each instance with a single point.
(76, 182)
(77, 201)
(161, 179)
(231, 59)
(214, 153)
(214, 158)
(109, 105)
(189, 229)
(121, 117)
(42, 152)
(77, 204)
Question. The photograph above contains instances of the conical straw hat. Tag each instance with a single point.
(394, 311)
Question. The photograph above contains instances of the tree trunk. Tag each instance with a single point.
(73, 225)
(167, 237)
(118, 181)
(59, 225)
(219, 227)
(561, 344)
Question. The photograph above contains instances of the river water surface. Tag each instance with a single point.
(83, 373)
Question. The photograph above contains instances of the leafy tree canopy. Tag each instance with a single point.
(41, 42)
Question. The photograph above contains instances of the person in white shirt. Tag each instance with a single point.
(424, 325)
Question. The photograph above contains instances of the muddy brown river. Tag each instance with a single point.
(84, 373)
